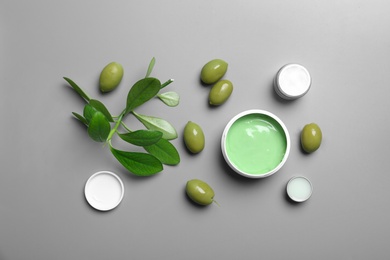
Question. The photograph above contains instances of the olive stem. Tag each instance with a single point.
(126, 127)
(169, 81)
(118, 122)
(216, 203)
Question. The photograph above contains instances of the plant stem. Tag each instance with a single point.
(169, 81)
(118, 122)
(125, 126)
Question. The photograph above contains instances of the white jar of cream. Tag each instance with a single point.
(292, 81)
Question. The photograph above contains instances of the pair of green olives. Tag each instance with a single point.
(110, 77)
(194, 137)
(200, 192)
(311, 137)
(211, 73)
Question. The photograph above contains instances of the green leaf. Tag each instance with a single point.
(142, 91)
(142, 137)
(157, 124)
(99, 127)
(99, 106)
(80, 118)
(170, 98)
(88, 112)
(164, 151)
(150, 68)
(77, 89)
(141, 164)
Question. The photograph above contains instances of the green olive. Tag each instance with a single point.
(220, 92)
(110, 77)
(311, 137)
(200, 192)
(194, 137)
(213, 71)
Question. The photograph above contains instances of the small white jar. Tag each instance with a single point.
(292, 81)
(299, 189)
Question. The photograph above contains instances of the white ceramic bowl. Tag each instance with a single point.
(255, 143)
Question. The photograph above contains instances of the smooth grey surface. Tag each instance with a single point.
(46, 156)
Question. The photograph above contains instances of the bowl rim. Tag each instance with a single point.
(245, 113)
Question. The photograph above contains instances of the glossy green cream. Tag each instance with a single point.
(256, 144)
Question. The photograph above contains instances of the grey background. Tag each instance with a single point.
(46, 155)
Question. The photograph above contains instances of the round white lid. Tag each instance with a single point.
(293, 81)
(104, 190)
(299, 189)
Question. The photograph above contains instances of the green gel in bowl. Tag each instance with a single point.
(255, 143)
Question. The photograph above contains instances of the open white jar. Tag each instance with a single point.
(255, 143)
(299, 189)
(292, 81)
